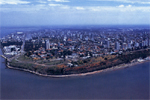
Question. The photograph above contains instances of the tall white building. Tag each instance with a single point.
(47, 44)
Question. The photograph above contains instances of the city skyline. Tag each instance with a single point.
(74, 12)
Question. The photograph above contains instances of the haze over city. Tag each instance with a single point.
(74, 12)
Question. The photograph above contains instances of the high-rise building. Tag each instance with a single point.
(117, 45)
(108, 44)
(81, 36)
(143, 43)
(47, 44)
(146, 42)
(124, 46)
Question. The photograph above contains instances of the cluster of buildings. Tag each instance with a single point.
(12, 43)
(80, 43)
(11, 50)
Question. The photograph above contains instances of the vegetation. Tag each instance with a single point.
(107, 62)
(134, 55)
(86, 65)
(24, 58)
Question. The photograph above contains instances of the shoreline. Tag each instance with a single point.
(121, 66)
(117, 67)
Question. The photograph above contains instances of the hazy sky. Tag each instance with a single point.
(76, 12)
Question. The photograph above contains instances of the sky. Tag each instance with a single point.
(74, 12)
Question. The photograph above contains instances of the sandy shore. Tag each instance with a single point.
(121, 66)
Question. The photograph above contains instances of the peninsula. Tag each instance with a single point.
(76, 51)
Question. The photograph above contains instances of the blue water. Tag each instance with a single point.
(8, 30)
(129, 83)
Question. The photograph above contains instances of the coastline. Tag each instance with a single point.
(121, 66)
(117, 67)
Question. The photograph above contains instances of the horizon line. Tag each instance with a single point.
(75, 25)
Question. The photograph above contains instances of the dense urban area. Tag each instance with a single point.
(63, 51)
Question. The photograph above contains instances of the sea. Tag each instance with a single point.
(129, 83)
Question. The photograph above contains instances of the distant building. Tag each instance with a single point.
(131, 41)
(146, 42)
(80, 36)
(28, 37)
(124, 46)
(129, 46)
(136, 44)
(124, 39)
(95, 47)
(65, 38)
(143, 43)
(108, 44)
(47, 43)
(117, 45)
(140, 44)
(86, 38)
